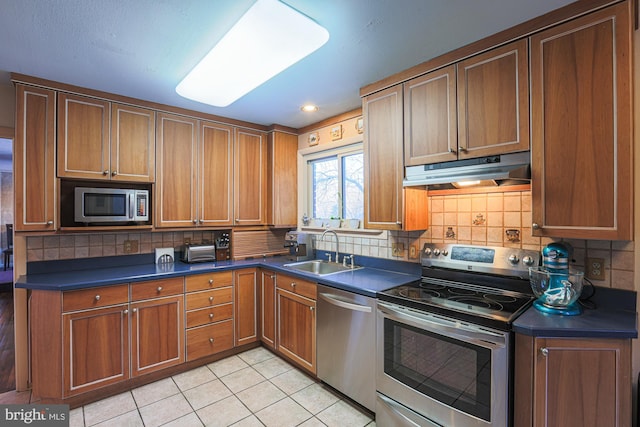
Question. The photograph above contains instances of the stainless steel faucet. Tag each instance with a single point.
(337, 242)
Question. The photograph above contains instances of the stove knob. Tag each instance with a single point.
(527, 260)
(513, 259)
(445, 252)
(427, 251)
(436, 252)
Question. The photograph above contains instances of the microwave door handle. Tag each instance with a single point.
(132, 199)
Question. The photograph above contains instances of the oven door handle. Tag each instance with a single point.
(405, 413)
(463, 332)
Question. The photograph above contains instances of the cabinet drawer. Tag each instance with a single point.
(200, 282)
(209, 298)
(209, 339)
(83, 299)
(157, 288)
(297, 286)
(209, 315)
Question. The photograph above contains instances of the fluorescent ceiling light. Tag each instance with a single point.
(268, 38)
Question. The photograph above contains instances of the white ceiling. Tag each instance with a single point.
(143, 48)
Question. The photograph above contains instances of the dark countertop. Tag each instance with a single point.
(615, 317)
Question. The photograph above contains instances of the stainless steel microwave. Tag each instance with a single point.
(111, 205)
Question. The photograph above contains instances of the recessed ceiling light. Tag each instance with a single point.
(268, 38)
(309, 108)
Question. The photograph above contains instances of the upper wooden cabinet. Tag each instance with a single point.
(282, 169)
(385, 204)
(176, 186)
(430, 121)
(98, 140)
(34, 159)
(493, 102)
(582, 127)
(477, 107)
(215, 165)
(249, 177)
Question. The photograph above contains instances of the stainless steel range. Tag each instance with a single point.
(444, 343)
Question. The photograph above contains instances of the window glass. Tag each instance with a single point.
(353, 186)
(325, 186)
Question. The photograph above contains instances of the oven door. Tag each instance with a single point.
(451, 372)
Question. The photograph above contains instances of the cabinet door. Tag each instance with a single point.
(582, 163)
(157, 332)
(176, 186)
(268, 308)
(582, 383)
(297, 328)
(493, 102)
(96, 348)
(282, 169)
(430, 123)
(245, 283)
(383, 158)
(83, 137)
(215, 190)
(249, 182)
(133, 144)
(34, 159)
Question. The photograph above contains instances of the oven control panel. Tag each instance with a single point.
(486, 259)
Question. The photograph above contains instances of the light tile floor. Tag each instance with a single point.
(254, 388)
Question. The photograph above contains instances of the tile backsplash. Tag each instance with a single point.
(495, 219)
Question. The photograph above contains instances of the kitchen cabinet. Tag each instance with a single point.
(282, 169)
(296, 320)
(157, 329)
(105, 141)
(209, 314)
(176, 185)
(387, 205)
(249, 177)
(493, 102)
(268, 308)
(572, 382)
(582, 127)
(214, 172)
(245, 284)
(34, 160)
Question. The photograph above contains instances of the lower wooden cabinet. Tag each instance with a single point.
(268, 308)
(571, 382)
(209, 339)
(296, 320)
(246, 296)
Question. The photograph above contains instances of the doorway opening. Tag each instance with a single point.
(7, 338)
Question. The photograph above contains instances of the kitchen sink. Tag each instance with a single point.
(319, 267)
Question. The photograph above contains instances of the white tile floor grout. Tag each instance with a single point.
(254, 388)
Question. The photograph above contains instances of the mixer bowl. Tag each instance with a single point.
(557, 289)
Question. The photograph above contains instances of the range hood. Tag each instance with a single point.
(504, 169)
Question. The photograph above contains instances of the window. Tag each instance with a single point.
(337, 185)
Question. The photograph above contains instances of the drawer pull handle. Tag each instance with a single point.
(105, 172)
(293, 284)
(126, 311)
(211, 281)
(135, 310)
(211, 340)
(311, 308)
(114, 173)
(97, 297)
(210, 315)
(159, 288)
(544, 351)
(49, 222)
(210, 299)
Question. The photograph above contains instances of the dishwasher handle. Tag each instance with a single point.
(334, 300)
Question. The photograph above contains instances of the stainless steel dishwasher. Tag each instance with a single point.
(346, 343)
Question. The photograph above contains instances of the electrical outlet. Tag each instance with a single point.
(595, 268)
(186, 240)
(413, 252)
(397, 249)
(130, 246)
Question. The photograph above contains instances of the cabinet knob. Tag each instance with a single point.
(398, 222)
(114, 173)
(201, 221)
(159, 289)
(125, 311)
(49, 222)
(544, 351)
(135, 310)
(211, 340)
(452, 151)
(210, 315)
(535, 226)
(195, 221)
(105, 172)
(293, 284)
(97, 297)
(311, 308)
(462, 149)
(211, 281)
(210, 299)
(273, 276)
